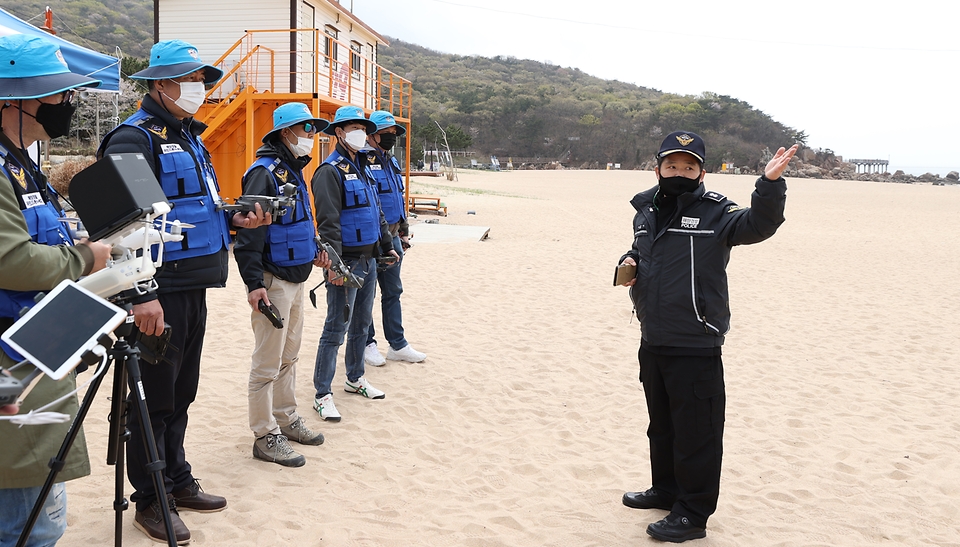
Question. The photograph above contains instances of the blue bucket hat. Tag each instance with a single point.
(32, 67)
(175, 58)
(290, 114)
(347, 114)
(384, 119)
(682, 141)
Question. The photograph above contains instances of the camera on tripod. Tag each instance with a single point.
(270, 205)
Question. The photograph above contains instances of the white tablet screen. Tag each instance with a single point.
(55, 333)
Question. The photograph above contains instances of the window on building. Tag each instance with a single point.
(356, 50)
(330, 46)
(306, 45)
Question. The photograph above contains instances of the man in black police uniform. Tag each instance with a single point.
(682, 240)
(164, 131)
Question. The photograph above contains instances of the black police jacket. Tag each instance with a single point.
(681, 295)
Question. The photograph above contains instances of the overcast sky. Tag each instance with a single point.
(865, 79)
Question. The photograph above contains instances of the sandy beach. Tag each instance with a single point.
(527, 422)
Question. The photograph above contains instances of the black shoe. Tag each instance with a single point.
(193, 498)
(675, 529)
(150, 522)
(648, 499)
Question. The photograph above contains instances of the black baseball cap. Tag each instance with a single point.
(682, 141)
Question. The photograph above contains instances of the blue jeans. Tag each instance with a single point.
(390, 291)
(15, 507)
(339, 321)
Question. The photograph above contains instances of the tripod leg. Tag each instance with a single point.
(117, 436)
(57, 462)
(155, 466)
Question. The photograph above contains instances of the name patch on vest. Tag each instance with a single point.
(170, 148)
(689, 222)
(350, 176)
(32, 199)
(375, 167)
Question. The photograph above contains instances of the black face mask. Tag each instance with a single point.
(674, 186)
(55, 118)
(387, 140)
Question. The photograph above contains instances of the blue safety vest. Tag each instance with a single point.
(360, 213)
(190, 184)
(43, 223)
(291, 239)
(389, 186)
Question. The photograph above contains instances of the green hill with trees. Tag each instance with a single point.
(519, 108)
(96, 24)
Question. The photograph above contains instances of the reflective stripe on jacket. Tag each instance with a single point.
(681, 295)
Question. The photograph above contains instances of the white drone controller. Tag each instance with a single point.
(125, 270)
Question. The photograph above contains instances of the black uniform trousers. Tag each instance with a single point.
(685, 400)
(169, 388)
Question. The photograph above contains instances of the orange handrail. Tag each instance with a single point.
(344, 81)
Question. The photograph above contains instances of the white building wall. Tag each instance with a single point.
(213, 27)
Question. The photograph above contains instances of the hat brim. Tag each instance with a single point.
(282, 126)
(371, 127)
(668, 152)
(36, 87)
(401, 130)
(211, 74)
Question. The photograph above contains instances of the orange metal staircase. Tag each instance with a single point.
(239, 108)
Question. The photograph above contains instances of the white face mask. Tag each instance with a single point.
(192, 95)
(302, 147)
(356, 139)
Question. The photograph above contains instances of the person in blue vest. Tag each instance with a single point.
(36, 254)
(349, 220)
(165, 132)
(388, 177)
(274, 262)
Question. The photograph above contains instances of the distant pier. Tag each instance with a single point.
(870, 166)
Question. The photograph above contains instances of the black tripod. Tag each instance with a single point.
(126, 359)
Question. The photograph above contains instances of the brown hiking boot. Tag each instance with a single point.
(150, 522)
(193, 498)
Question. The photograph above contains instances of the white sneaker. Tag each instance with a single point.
(363, 387)
(328, 411)
(372, 357)
(406, 353)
